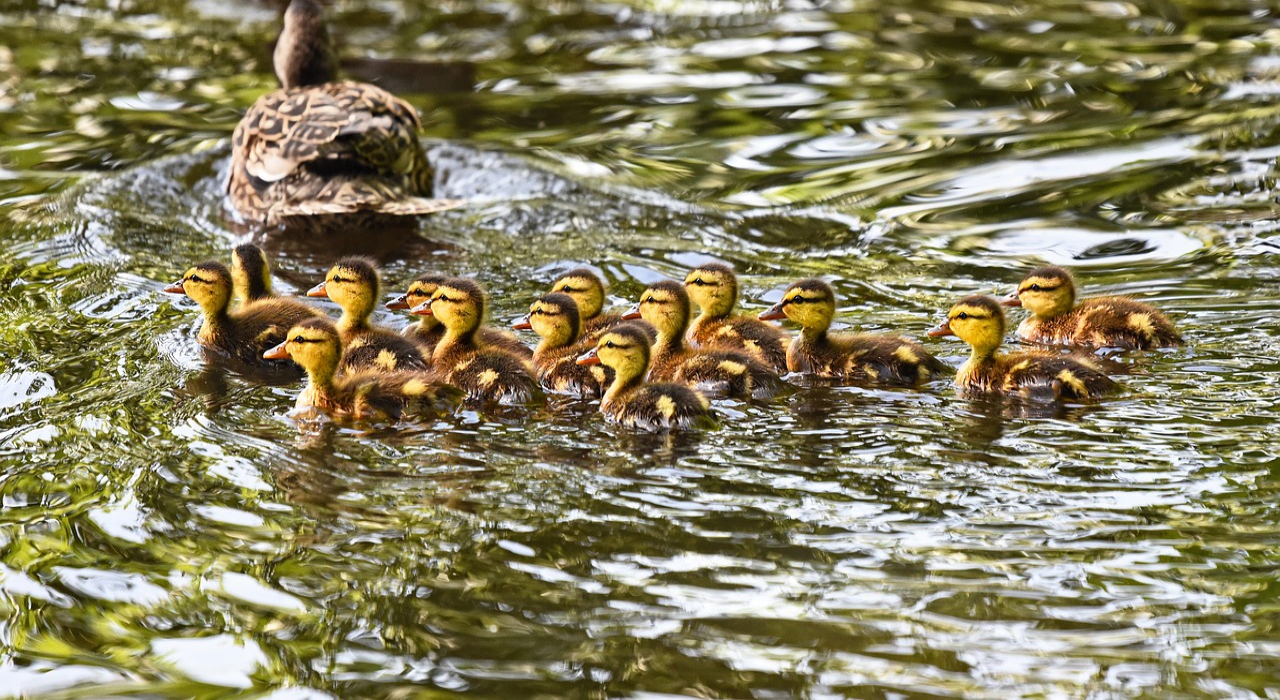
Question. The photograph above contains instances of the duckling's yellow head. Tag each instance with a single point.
(624, 349)
(313, 344)
(458, 303)
(1046, 292)
(419, 292)
(665, 306)
(811, 303)
(977, 320)
(586, 288)
(714, 288)
(250, 272)
(554, 317)
(209, 284)
(352, 283)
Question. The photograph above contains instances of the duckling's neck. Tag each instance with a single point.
(670, 340)
(559, 338)
(355, 319)
(985, 353)
(217, 317)
(457, 339)
(320, 379)
(623, 384)
(815, 335)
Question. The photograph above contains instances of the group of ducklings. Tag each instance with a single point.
(654, 365)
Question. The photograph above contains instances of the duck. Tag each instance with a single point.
(632, 402)
(857, 357)
(665, 305)
(485, 374)
(1049, 293)
(714, 288)
(428, 331)
(323, 147)
(587, 289)
(250, 273)
(554, 317)
(353, 284)
(316, 346)
(979, 321)
(242, 334)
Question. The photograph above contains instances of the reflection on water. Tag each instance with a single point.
(167, 529)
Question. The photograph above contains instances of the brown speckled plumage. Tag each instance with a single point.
(714, 287)
(632, 402)
(319, 147)
(484, 373)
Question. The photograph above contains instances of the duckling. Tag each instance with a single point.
(587, 289)
(320, 147)
(554, 317)
(1049, 293)
(428, 331)
(979, 321)
(250, 273)
(630, 401)
(316, 346)
(244, 333)
(353, 284)
(665, 305)
(484, 373)
(714, 288)
(884, 359)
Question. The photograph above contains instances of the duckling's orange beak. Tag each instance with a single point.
(940, 330)
(523, 323)
(589, 358)
(318, 291)
(175, 288)
(628, 315)
(423, 309)
(773, 313)
(400, 303)
(1012, 300)
(277, 353)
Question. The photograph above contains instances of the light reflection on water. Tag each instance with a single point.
(165, 525)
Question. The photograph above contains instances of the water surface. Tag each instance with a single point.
(168, 531)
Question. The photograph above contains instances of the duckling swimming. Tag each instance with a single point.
(250, 273)
(587, 289)
(1049, 293)
(428, 331)
(630, 401)
(353, 284)
(484, 373)
(665, 305)
(979, 321)
(245, 333)
(316, 346)
(320, 147)
(884, 359)
(714, 288)
(554, 317)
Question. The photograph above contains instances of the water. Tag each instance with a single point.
(167, 531)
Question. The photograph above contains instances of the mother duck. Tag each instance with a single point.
(319, 146)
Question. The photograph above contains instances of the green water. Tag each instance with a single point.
(167, 531)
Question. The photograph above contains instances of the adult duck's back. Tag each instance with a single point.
(320, 147)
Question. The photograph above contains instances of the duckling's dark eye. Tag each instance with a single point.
(962, 315)
(1034, 287)
(443, 298)
(299, 339)
(194, 278)
(797, 300)
(610, 344)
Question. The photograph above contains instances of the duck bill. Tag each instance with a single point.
(400, 303)
(631, 314)
(277, 353)
(523, 323)
(175, 288)
(318, 291)
(1012, 301)
(941, 330)
(773, 313)
(423, 309)
(589, 358)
